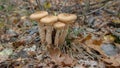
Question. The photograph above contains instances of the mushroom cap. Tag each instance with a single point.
(50, 19)
(67, 18)
(59, 25)
(38, 15)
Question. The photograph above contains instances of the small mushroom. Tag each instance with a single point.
(37, 16)
(49, 21)
(59, 26)
(67, 19)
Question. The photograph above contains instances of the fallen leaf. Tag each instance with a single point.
(112, 61)
(68, 61)
(54, 52)
(97, 42)
(88, 37)
(18, 43)
(61, 59)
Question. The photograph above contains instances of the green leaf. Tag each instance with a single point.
(1, 7)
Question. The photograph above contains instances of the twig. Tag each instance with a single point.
(105, 1)
(97, 9)
(111, 12)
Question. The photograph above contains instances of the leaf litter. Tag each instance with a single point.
(93, 43)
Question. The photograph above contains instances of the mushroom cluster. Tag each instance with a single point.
(50, 24)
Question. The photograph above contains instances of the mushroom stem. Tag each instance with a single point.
(49, 34)
(49, 21)
(63, 35)
(42, 33)
(59, 26)
(57, 38)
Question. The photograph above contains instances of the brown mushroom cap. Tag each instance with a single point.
(59, 25)
(67, 18)
(38, 15)
(50, 19)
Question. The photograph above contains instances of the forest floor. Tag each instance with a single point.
(92, 42)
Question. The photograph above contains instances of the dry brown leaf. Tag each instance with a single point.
(97, 42)
(55, 55)
(59, 58)
(112, 61)
(54, 51)
(95, 45)
(18, 43)
(14, 20)
(88, 37)
(31, 53)
(68, 61)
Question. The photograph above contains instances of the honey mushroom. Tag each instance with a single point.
(37, 16)
(68, 19)
(48, 21)
(59, 26)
